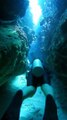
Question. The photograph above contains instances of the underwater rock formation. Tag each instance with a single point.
(58, 48)
(58, 63)
(52, 12)
(61, 6)
(13, 51)
(12, 9)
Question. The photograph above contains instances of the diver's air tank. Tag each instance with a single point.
(37, 68)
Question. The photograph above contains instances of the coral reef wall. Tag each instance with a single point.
(13, 51)
(58, 49)
(58, 62)
(13, 40)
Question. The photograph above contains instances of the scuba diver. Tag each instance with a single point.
(40, 76)
(35, 77)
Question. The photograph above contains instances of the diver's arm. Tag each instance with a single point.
(47, 89)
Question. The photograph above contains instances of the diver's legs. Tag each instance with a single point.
(50, 112)
(13, 110)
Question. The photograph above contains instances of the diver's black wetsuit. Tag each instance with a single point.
(35, 81)
(38, 81)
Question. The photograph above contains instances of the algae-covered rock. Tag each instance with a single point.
(11, 9)
(13, 51)
(58, 49)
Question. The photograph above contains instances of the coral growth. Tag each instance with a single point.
(58, 49)
(13, 51)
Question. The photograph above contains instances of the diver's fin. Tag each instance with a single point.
(13, 110)
(50, 112)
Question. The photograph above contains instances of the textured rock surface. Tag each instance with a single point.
(58, 62)
(13, 51)
(60, 95)
(58, 49)
(11, 9)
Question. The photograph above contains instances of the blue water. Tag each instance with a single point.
(43, 17)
